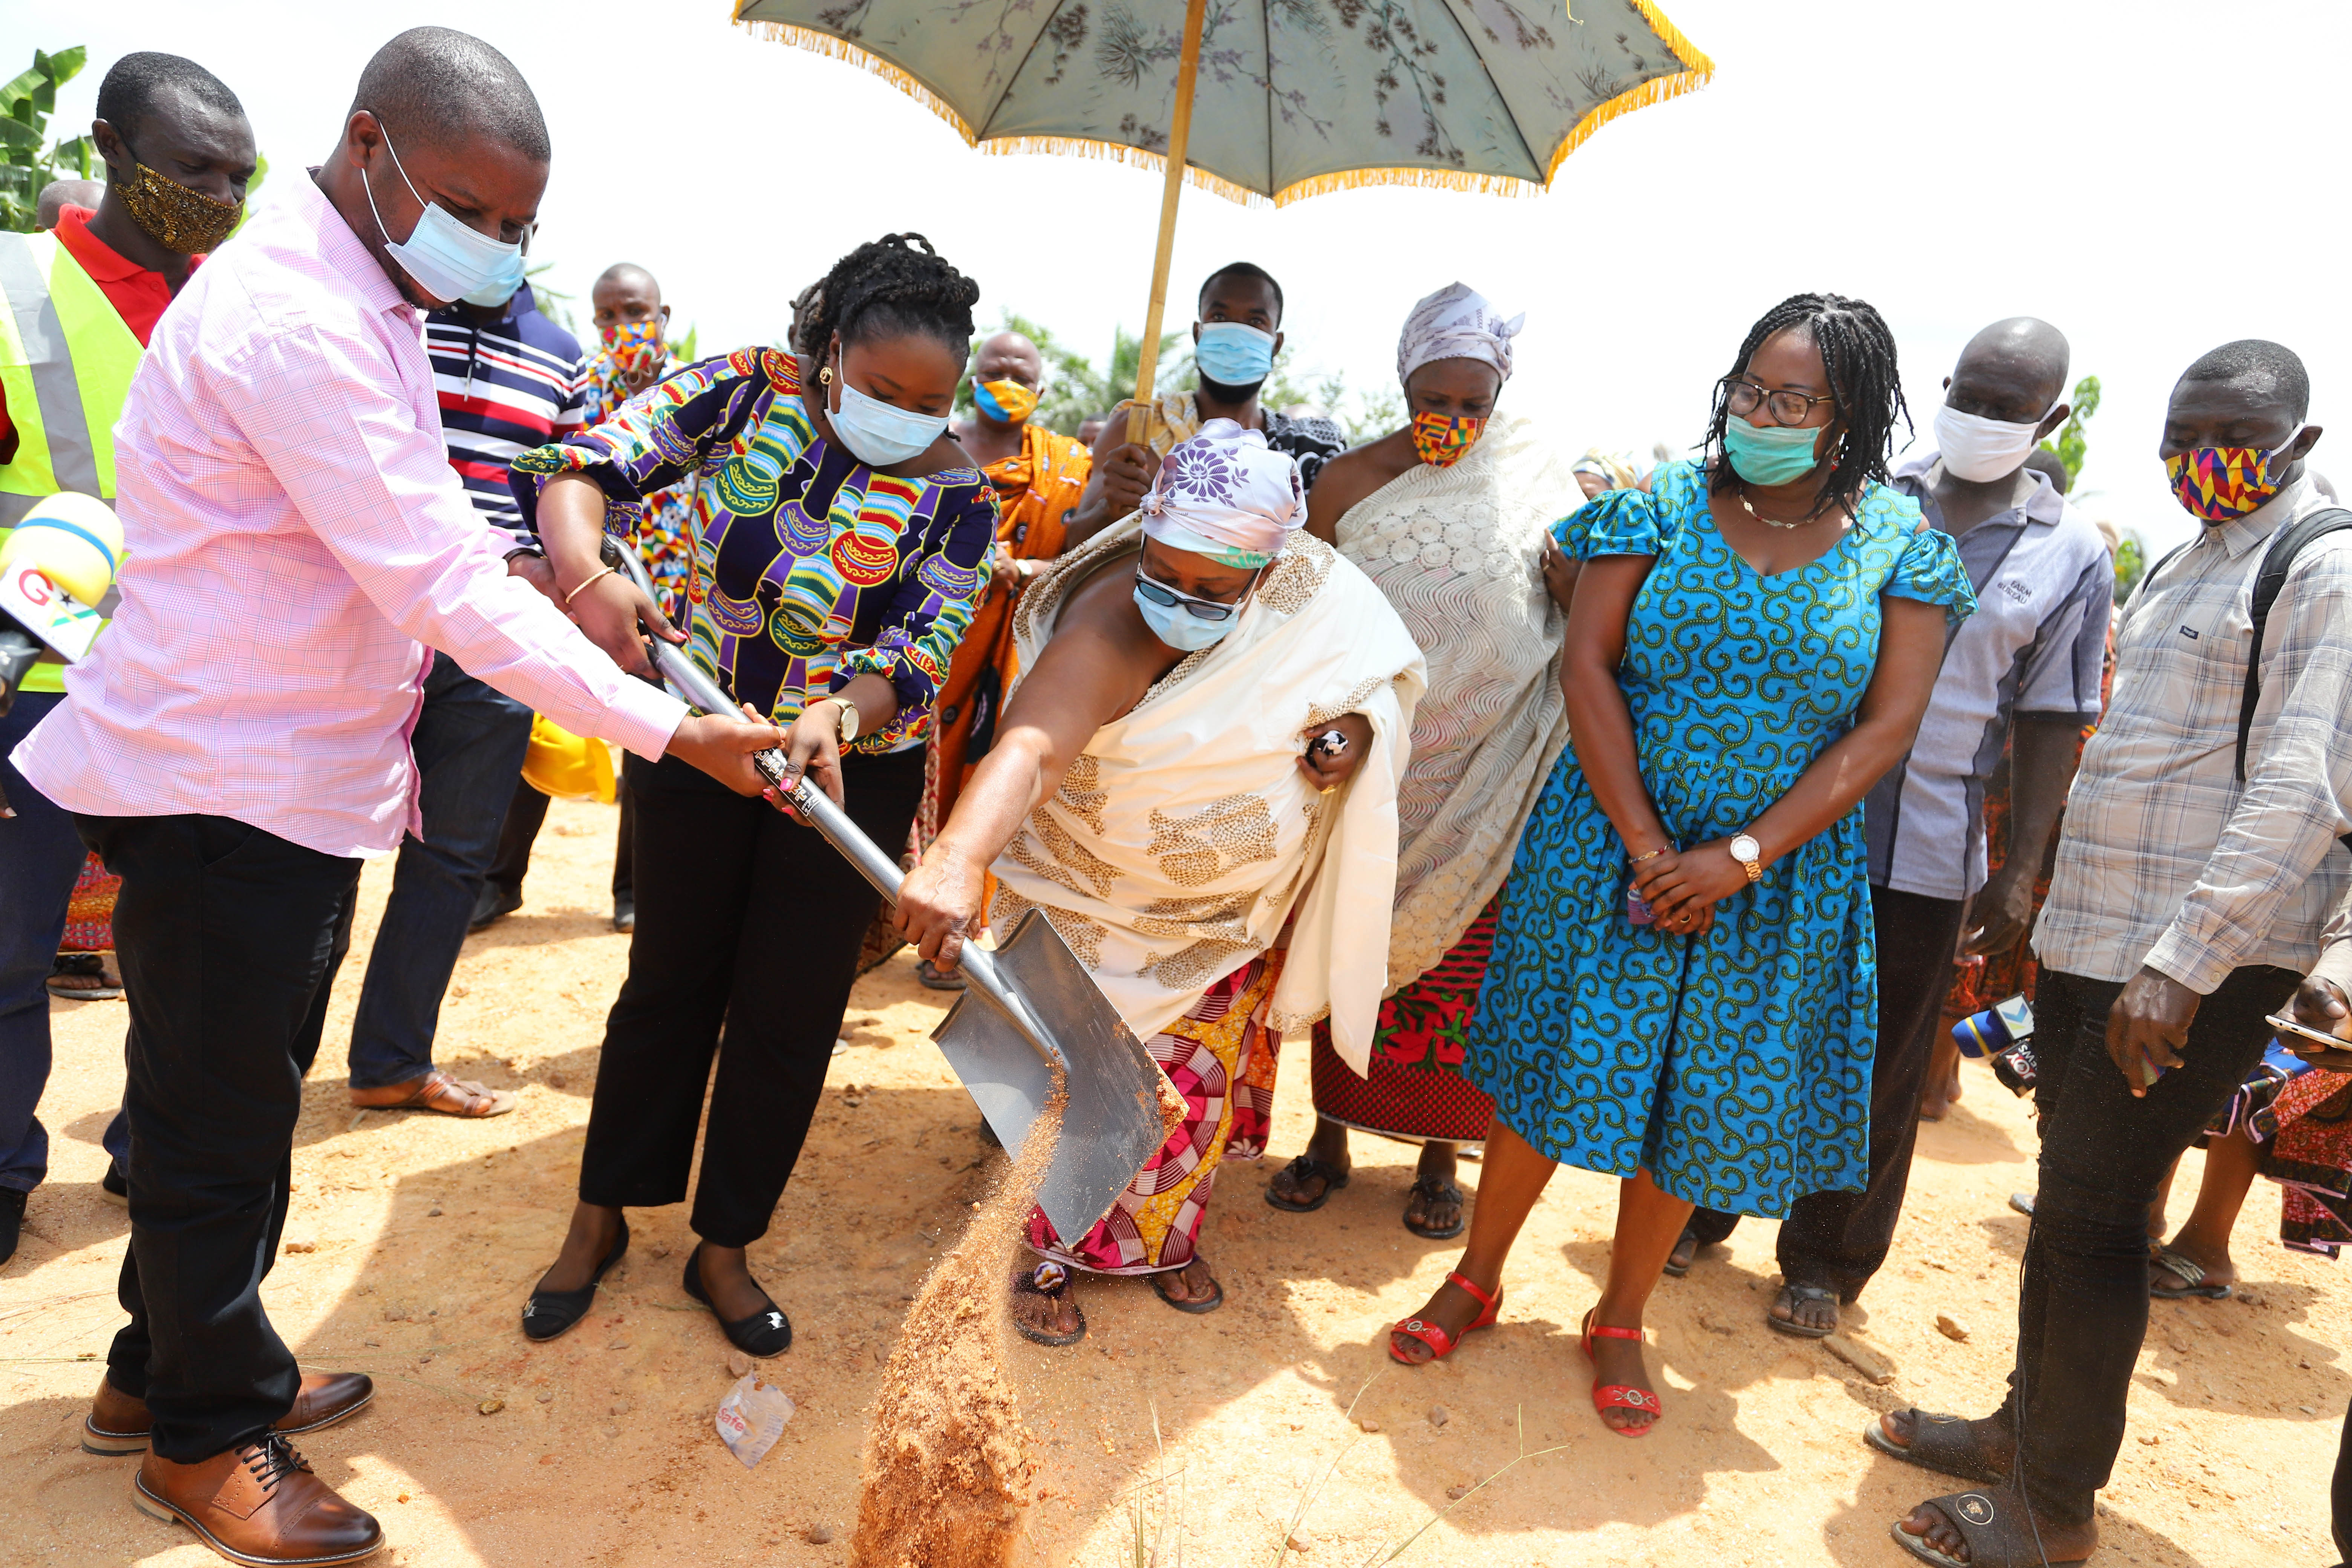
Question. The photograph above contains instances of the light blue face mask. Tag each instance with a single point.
(1231, 355)
(444, 258)
(1164, 612)
(1769, 454)
(878, 434)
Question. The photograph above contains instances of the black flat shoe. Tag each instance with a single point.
(764, 1334)
(551, 1313)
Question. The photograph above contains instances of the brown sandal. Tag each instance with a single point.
(437, 1090)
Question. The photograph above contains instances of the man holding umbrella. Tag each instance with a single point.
(1234, 344)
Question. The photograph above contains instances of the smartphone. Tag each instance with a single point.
(2288, 1026)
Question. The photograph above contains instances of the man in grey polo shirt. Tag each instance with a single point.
(2022, 673)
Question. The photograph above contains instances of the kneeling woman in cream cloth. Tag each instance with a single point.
(1153, 790)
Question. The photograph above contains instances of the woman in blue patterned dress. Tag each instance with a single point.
(834, 571)
(1684, 991)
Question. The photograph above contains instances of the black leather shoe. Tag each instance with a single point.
(12, 1221)
(764, 1334)
(114, 1186)
(625, 911)
(549, 1313)
(491, 905)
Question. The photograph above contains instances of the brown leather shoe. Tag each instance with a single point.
(437, 1090)
(118, 1424)
(259, 1504)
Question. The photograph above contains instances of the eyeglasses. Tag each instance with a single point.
(1743, 397)
(1165, 597)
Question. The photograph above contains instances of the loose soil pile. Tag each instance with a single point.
(945, 1473)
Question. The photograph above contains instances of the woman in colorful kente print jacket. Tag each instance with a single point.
(847, 541)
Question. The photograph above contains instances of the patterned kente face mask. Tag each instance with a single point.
(636, 346)
(2220, 484)
(183, 222)
(1441, 439)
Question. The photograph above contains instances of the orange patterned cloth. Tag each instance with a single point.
(1036, 489)
(90, 915)
(1221, 1058)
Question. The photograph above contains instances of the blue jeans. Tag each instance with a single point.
(469, 741)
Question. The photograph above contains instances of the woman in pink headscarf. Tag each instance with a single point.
(1200, 755)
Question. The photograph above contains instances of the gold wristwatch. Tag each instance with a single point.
(1749, 853)
(848, 730)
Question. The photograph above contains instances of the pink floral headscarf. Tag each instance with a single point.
(1226, 495)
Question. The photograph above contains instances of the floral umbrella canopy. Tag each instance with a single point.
(1293, 98)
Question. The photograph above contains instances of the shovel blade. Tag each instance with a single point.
(1110, 1125)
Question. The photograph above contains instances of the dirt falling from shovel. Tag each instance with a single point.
(946, 1463)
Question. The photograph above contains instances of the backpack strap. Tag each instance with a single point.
(2283, 547)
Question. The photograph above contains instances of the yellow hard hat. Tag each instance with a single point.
(73, 539)
(565, 765)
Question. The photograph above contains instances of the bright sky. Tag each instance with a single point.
(2152, 177)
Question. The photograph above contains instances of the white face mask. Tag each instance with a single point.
(1976, 449)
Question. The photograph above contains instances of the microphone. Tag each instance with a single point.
(56, 569)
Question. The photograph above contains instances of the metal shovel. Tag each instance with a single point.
(1031, 1013)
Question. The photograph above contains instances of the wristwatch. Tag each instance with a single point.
(1749, 853)
(848, 730)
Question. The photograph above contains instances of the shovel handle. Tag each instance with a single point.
(815, 807)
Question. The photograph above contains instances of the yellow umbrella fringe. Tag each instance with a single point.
(842, 49)
(1673, 38)
(1427, 179)
(1655, 90)
(1120, 151)
(1697, 72)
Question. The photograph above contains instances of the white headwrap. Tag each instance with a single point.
(1226, 495)
(1456, 322)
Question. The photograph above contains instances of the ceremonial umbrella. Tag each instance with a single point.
(1256, 100)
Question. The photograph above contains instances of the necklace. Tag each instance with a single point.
(1767, 521)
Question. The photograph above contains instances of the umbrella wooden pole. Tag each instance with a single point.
(1180, 136)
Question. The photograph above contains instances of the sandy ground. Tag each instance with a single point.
(413, 1241)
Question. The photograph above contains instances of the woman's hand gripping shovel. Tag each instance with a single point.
(1032, 1021)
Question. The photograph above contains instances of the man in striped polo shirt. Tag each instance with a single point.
(509, 379)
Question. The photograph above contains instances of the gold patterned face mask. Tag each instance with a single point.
(185, 222)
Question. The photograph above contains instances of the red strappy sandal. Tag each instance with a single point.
(1435, 1336)
(1619, 1395)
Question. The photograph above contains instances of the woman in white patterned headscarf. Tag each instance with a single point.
(1449, 517)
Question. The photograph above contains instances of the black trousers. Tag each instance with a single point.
(749, 919)
(1839, 1240)
(527, 813)
(225, 933)
(2082, 1308)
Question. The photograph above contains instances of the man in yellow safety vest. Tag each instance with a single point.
(76, 306)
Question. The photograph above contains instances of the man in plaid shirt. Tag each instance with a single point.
(2187, 904)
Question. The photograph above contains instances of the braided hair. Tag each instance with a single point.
(896, 286)
(1858, 351)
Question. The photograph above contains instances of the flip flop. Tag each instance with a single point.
(1939, 1443)
(2191, 1275)
(1433, 1190)
(1334, 1178)
(1194, 1307)
(1794, 1294)
(1677, 1271)
(1995, 1526)
(1052, 1281)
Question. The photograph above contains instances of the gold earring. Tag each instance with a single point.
(825, 376)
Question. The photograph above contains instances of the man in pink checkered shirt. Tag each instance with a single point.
(238, 743)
